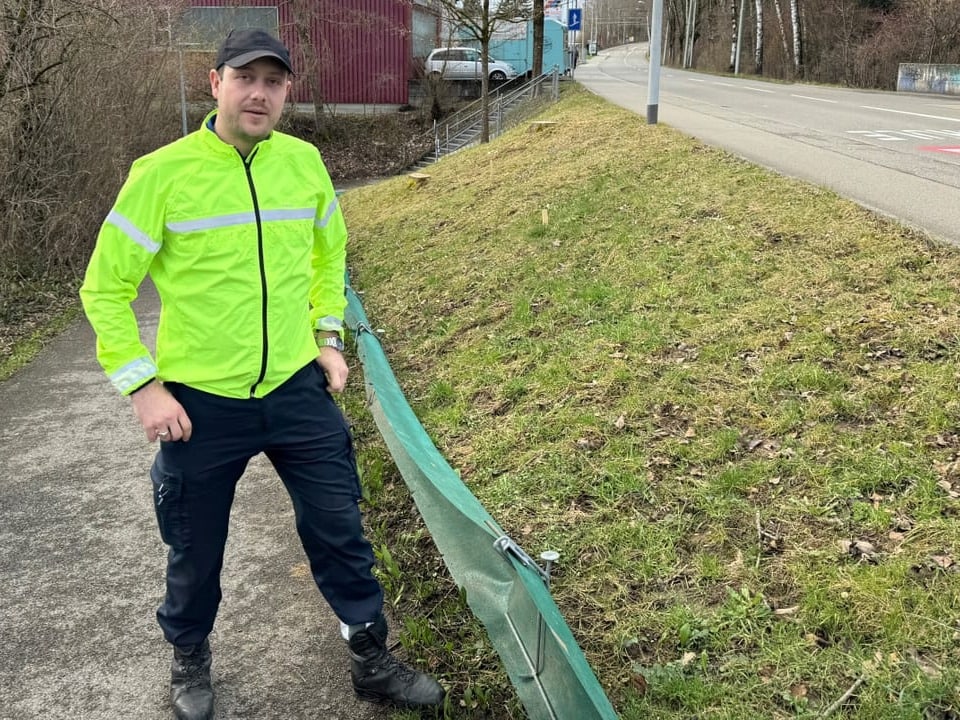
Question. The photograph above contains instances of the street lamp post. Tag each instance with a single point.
(653, 84)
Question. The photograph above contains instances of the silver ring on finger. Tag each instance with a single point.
(162, 433)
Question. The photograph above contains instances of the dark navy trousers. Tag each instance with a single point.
(305, 436)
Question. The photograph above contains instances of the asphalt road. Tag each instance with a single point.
(895, 153)
(82, 567)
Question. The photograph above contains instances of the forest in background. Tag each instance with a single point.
(858, 43)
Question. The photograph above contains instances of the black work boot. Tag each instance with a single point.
(379, 677)
(190, 690)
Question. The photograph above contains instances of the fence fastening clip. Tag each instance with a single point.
(506, 546)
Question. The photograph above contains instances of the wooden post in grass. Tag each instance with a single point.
(417, 179)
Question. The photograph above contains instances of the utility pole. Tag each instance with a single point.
(653, 84)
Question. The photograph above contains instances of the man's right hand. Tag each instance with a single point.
(161, 416)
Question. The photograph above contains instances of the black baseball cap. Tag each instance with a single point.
(245, 46)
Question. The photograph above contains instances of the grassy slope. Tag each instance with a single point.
(729, 399)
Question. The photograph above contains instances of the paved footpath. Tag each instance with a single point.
(82, 567)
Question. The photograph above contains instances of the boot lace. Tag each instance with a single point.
(191, 669)
(389, 664)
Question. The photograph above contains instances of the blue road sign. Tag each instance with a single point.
(574, 18)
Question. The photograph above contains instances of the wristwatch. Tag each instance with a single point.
(334, 342)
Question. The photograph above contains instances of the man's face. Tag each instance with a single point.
(249, 101)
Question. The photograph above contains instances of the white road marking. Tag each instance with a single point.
(900, 135)
(877, 135)
(906, 112)
(807, 97)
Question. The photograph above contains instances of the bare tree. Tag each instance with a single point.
(690, 32)
(797, 38)
(674, 13)
(479, 19)
(310, 56)
(783, 34)
(84, 88)
(938, 23)
(537, 69)
(856, 42)
(758, 45)
(734, 35)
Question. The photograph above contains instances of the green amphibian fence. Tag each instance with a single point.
(504, 587)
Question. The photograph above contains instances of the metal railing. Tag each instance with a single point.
(507, 106)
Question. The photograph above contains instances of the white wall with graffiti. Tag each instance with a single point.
(928, 78)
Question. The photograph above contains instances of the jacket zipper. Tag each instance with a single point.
(263, 274)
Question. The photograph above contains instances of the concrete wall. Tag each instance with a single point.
(924, 78)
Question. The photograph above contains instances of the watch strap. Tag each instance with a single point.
(334, 342)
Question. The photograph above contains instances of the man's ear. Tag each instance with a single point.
(214, 83)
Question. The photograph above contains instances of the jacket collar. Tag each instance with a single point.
(213, 141)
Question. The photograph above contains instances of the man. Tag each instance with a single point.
(239, 228)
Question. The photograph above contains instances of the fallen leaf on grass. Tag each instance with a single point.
(936, 564)
(929, 668)
(639, 683)
(787, 610)
(948, 486)
(860, 549)
(944, 561)
(902, 524)
(589, 443)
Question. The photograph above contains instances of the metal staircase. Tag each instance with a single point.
(507, 107)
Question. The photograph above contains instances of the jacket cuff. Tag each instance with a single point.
(134, 375)
(329, 323)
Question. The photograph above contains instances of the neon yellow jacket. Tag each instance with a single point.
(248, 258)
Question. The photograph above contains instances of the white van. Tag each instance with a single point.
(461, 63)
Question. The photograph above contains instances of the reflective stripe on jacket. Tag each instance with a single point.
(236, 248)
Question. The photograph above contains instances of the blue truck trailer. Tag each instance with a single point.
(513, 43)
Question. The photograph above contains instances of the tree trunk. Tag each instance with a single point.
(783, 33)
(758, 50)
(480, 21)
(311, 58)
(537, 69)
(485, 80)
(674, 16)
(733, 35)
(797, 38)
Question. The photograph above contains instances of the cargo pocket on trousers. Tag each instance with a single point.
(169, 505)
